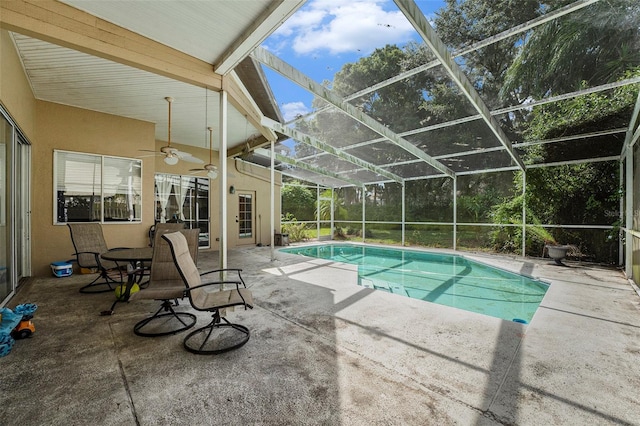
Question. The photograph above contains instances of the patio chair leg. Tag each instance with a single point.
(187, 320)
(90, 288)
(239, 339)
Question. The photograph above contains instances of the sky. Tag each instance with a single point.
(323, 35)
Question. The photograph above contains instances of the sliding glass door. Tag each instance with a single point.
(184, 199)
(15, 228)
(6, 284)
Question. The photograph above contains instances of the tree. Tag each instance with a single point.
(396, 104)
(461, 23)
(323, 210)
(298, 201)
(596, 45)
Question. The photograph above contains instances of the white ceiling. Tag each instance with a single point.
(208, 30)
(69, 77)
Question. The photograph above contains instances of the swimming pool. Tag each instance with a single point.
(450, 280)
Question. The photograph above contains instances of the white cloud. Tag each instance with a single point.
(292, 109)
(337, 26)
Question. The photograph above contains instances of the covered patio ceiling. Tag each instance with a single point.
(124, 58)
(195, 49)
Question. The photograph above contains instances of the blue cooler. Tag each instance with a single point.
(61, 269)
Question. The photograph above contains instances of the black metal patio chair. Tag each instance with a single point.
(219, 335)
(89, 243)
(166, 284)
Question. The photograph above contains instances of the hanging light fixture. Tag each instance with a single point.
(212, 171)
(171, 157)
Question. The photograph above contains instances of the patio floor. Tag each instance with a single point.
(326, 351)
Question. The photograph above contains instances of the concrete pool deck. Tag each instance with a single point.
(326, 351)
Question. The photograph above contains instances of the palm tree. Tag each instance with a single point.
(595, 45)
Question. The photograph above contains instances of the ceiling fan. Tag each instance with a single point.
(171, 154)
(212, 171)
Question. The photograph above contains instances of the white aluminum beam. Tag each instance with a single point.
(311, 141)
(505, 110)
(422, 26)
(498, 148)
(317, 170)
(569, 95)
(278, 65)
(277, 12)
(526, 26)
(631, 137)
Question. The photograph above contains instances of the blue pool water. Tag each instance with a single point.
(445, 279)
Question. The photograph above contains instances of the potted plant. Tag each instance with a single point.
(556, 251)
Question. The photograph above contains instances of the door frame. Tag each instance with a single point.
(246, 240)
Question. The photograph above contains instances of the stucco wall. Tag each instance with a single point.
(15, 91)
(19, 103)
(72, 129)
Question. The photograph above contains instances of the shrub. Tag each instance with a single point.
(297, 231)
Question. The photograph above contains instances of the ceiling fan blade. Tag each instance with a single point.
(188, 157)
(197, 170)
(191, 159)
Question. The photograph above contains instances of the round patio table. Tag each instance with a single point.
(134, 257)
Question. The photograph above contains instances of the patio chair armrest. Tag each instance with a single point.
(219, 283)
(95, 254)
(238, 270)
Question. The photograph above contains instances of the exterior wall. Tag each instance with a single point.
(252, 179)
(15, 91)
(73, 129)
(18, 101)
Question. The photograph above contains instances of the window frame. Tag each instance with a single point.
(193, 197)
(102, 159)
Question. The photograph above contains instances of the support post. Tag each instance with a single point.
(318, 210)
(272, 189)
(621, 234)
(222, 166)
(364, 206)
(628, 264)
(524, 213)
(403, 209)
(455, 212)
(332, 218)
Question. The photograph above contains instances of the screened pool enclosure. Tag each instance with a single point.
(499, 126)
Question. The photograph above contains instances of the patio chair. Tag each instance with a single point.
(89, 243)
(219, 335)
(162, 226)
(166, 285)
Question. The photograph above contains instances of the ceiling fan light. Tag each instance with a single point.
(212, 174)
(171, 160)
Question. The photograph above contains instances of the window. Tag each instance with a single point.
(183, 199)
(96, 188)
